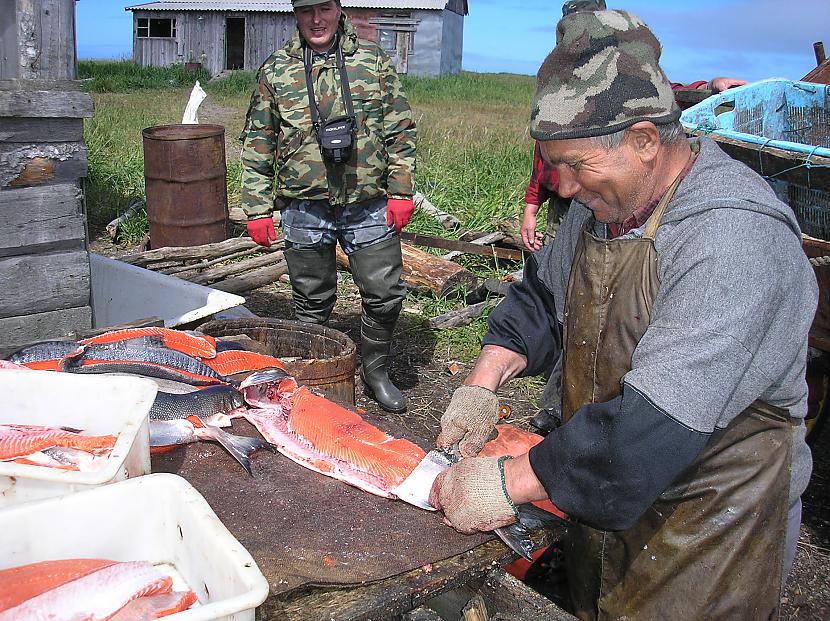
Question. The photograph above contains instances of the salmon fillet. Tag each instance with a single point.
(202, 346)
(239, 361)
(325, 437)
(155, 606)
(21, 583)
(94, 597)
(20, 440)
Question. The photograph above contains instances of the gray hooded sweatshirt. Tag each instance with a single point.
(729, 325)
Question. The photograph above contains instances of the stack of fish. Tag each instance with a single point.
(63, 448)
(99, 589)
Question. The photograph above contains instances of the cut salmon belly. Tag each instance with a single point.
(21, 440)
(239, 361)
(27, 581)
(323, 436)
(94, 597)
(155, 606)
(199, 346)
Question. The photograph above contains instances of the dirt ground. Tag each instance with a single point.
(420, 370)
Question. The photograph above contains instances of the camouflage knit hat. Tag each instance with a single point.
(602, 76)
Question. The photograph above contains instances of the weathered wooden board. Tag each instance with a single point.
(32, 164)
(40, 219)
(17, 129)
(15, 332)
(74, 104)
(44, 282)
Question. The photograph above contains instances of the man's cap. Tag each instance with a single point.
(572, 6)
(297, 4)
(602, 76)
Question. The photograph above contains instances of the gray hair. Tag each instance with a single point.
(669, 134)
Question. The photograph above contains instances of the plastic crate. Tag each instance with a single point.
(782, 114)
(158, 518)
(98, 405)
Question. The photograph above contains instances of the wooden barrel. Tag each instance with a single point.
(185, 178)
(317, 356)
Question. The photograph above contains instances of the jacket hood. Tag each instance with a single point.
(712, 184)
(347, 34)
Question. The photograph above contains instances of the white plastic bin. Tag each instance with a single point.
(98, 405)
(158, 518)
(122, 293)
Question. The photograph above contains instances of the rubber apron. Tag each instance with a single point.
(711, 546)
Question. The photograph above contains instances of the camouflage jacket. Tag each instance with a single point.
(281, 157)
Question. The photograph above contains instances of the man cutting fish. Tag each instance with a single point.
(329, 140)
(678, 290)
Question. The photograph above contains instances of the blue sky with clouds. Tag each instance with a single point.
(752, 39)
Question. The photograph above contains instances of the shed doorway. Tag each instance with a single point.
(235, 43)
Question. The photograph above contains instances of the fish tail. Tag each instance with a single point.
(240, 447)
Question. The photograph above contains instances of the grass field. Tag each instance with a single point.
(474, 151)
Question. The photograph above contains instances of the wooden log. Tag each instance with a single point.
(431, 241)
(196, 253)
(44, 282)
(15, 332)
(690, 96)
(457, 318)
(41, 130)
(483, 240)
(19, 98)
(39, 219)
(444, 219)
(253, 279)
(23, 165)
(427, 272)
(234, 269)
(175, 268)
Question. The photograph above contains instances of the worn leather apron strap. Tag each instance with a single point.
(711, 547)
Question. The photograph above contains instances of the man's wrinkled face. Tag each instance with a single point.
(318, 24)
(611, 183)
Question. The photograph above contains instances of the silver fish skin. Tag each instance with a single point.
(203, 403)
(47, 350)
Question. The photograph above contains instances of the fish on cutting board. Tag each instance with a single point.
(193, 344)
(168, 434)
(213, 404)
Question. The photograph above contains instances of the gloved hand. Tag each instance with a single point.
(473, 495)
(398, 212)
(470, 418)
(262, 231)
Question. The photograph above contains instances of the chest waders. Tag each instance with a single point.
(711, 546)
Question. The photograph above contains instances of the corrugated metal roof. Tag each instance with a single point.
(277, 6)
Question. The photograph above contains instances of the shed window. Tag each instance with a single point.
(156, 28)
(386, 39)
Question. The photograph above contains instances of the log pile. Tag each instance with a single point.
(234, 265)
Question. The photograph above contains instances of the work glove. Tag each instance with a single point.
(398, 212)
(469, 420)
(262, 231)
(473, 495)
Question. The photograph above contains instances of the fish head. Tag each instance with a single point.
(267, 387)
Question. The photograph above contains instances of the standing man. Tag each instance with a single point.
(685, 300)
(329, 140)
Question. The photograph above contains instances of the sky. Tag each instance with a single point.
(702, 39)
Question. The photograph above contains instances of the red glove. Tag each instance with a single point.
(398, 212)
(262, 231)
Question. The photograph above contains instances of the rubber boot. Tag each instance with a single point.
(375, 345)
(376, 271)
(313, 273)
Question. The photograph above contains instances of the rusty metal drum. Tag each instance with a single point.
(317, 356)
(185, 178)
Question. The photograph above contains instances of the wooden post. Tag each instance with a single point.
(818, 48)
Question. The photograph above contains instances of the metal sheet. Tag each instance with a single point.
(305, 528)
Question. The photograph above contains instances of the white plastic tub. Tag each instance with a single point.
(159, 518)
(122, 293)
(98, 405)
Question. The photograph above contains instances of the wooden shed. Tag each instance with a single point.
(423, 37)
(44, 264)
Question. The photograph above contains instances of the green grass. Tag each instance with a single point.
(125, 76)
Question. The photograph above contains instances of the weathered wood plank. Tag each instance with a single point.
(18, 129)
(45, 103)
(253, 279)
(15, 332)
(44, 282)
(26, 165)
(430, 241)
(34, 220)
